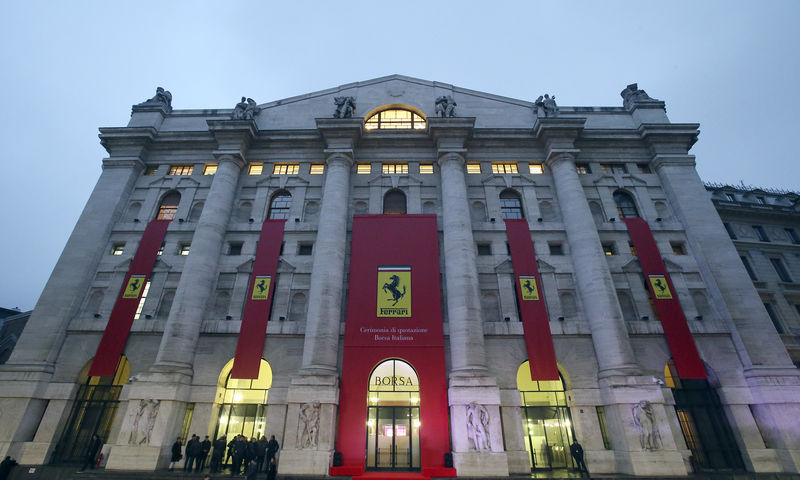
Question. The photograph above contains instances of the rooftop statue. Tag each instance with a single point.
(546, 105)
(247, 109)
(445, 106)
(632, 94)
(161, 98)
(345, 107)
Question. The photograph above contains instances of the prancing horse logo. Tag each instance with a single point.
(392, 288)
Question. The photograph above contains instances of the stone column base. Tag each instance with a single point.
(304, 462)
(481, 464)
(518, 462)
(137, 457)
(662, 463)
(35, 453)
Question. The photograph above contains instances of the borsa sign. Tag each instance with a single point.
(394, 381)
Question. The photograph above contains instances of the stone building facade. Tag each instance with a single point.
(621, 316)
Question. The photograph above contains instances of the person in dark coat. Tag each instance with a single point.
(177, 454)
(91, 454)
(576, 450)
(200, 462)
(272, 469)
(272, 448)
(231, 448)
(239, 452)
(220, 445)
(6, 466)
(251, 472)
(192, 450)
(261, 452)
(251, 451)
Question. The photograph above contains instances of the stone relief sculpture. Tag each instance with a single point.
(546, 106)
(478, 426)
(644, 419)
(247, 109)
(632, 94)
(345, 107)
(161, 98)
(309, 421)
(144, 422)
(445, 106)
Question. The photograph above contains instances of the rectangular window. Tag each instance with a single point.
(613, 168)
(484, 249)
(601, 419)
(556, 249)
(181, 169)
(142, 299)
(583, 168)
(774, 317)
(536, 168)
(150, 171)
(364, 169)
(255, 169)
(316, 169)
(780, 269)
(473, 167)
(504, 167)
(183, 248)
(425, 168)
(210, 168)
(749, 269)
(761, 234)
(632, 248)
(394, 168)
(235, 248)
(729, 229)
(643, 168)
(286, 169)
(305, 248)
(678, 248)
(792, 235)
(118, 248)
(608, 249)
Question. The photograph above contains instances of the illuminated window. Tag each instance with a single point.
(279, 208)
(632, 249)
(286, 169)
(536, 168)
(150, 171)
(183, 249)
(394, 168)
(473, 167)
(504, 167)
(316, 169)
(141, 301)
(364, 168)
(626, 207)
(425, 168)
(613, 168)
(210, 169)
(181, 169)
(395, 119)
(608, 249)
(160, 250)
(643, 168)
(678, 248)
(117, 248)
(255, 169)
(583, 168)
(510, 204)
(169, 206)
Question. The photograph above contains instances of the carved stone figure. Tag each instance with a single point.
(546, 106)
(144, 422)
(161, 98)
(632, 94)
(446, 106)
(644, 419)
(345, 107)
(309, 420)
(247, 109)
(478, 426)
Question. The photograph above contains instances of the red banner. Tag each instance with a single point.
(258, 303)
(119, 324)
(530, 298)
(665, 299)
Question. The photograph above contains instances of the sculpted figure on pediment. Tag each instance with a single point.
(161, 98)
(345, 107)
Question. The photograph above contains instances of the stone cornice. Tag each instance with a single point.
(340, 134)
(127, 141)
(558, 135)
(669, 138)
(233, 137)
(673, 160)
(451, 134)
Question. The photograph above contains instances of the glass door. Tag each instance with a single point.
(393, 438)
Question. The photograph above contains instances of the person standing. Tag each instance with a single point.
(220, 445)
(6, 466)
(91, 454)
(239, 452)
(205, 447)
(261, 452)
(576, 450)
(176, 454)
(272, 469)
(272, 448)
(251, 472)
(192, 449)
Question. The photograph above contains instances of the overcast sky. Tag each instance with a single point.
(69, 68)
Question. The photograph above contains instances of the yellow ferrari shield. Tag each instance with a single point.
(261, 287)
(659, 287)
(394, 291)
(527, 284)
(134, 286)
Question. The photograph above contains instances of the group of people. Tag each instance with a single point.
(254, 455)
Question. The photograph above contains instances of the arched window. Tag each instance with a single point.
(394, 201)
(395, 119)
(510, 204)
(626, 207)
(243, 402)
(194, 213)
(279, 207)
(169, 206)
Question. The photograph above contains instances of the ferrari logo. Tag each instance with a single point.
(261, 287)
(394, 291)
(134, 286)
(659, 287)
(527, 284)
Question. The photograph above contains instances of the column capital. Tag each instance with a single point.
(127, 141)
(334, 156)
(233, 157)
(233, 136)
(558, 134)
(673, 160)
(455, 156)
(340, 134)
(669, 138)
(451, 134)
(556, 155)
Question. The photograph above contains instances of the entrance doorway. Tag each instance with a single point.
(393, 421)
(705, 428)
(243, 403)
(93, 413)
(546, 421)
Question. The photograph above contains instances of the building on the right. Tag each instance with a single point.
(764, 225)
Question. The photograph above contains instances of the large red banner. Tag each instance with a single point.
(119, 324)
(394, 311)
(665, 298)
(250, 348)
(530, 296)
